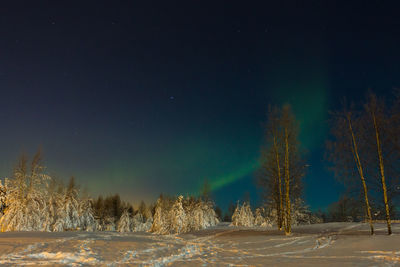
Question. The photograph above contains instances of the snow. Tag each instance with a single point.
(330, 244)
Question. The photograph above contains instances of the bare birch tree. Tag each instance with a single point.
(346, 145)
(282, 166)
(294, 166)
(377, 115)
(366, 145)
(270, 177)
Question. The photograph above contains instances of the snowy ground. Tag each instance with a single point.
(332, 244)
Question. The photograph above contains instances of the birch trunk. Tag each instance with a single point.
(280, 208)
(288, 229)
(382, 171)
(361, 173)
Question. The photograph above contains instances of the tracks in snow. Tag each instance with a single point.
(43, 253)
(230, 246)
(164, 250)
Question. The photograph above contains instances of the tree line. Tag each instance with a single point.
(363, 150)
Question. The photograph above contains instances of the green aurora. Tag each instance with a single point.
(310, 106)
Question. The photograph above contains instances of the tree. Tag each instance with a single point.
(346, 209)
(177, 216)
(26, 208)
(99, 211)
(206, 190)
(287, 121)
(347, 133)
(125, 222)
(218, 211)
(260, 219)
(229, 213)
(109, 210)
(366, 146)
(377, 113)
(87, 221)
(271, 178)
(144, 211)
(3, 198)
(142, 208)
(243, 216)
(393, 136)
(53, 197)
(200, 213)
(180, 215)
(282, 165)
(160, 224)
(68, 208)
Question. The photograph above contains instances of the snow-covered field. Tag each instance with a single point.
(331, 244)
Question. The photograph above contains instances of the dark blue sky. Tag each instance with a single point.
(141, 99)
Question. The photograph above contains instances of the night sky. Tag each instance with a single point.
(142, 99)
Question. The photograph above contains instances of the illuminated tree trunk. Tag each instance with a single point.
(280, 208)
(361, 173)
(381, 168)
(281, 181)
(288, 229)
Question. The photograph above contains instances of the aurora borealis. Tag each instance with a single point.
(143, 99)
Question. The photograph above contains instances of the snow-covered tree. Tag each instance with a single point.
(3, 196)
(53, 197)
(258, 217)
(210, 216)
(125, 223)
(87, 221)
(26, 200)
(145, 210)
(182, 215)
(140, 224)
(200, 214)
(137, 223)
(147, 225)
(177, 217)
(160, 224)
(261, 219)
(302, 213)
(243, 216)
(68, 209)
(109, 224)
